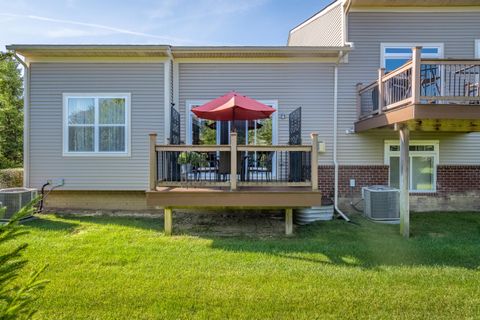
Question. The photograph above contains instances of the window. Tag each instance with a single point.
(477, 49)
(423, 164)
(394, 55)
(96, 124)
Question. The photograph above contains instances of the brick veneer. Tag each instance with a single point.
(450, 178)
(457, 179)
(363, 175)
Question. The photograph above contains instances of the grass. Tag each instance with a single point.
(125, 268)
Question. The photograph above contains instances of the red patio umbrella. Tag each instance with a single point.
(233, 106)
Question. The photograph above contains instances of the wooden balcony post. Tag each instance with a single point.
(381, 89)
(416, 65)
(359, 100)
(233, 161)
(153, 162)
(314, 161)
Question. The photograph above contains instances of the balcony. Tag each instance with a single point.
(424, 95)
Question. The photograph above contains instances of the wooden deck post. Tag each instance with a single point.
(153, 162)
(359, 100)
(381, 89)
(167, 224)
(314, 161)
(404, 180)
(288, 221)
(233, 161)
(416, 65)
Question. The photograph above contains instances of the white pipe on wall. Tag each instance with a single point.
(335, 132)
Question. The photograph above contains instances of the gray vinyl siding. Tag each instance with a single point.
(144, 81)
(293, 85)
(456, 30)
(325, 30)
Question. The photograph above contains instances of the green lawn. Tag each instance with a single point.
(125, 268)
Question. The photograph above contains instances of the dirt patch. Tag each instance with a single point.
(258, 224)
(263, 224)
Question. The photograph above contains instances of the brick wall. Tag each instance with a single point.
(450, 178)
(363, 175)
(457, 179)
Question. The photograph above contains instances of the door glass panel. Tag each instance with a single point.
(395, 172)
(422, 173)
(392, 64)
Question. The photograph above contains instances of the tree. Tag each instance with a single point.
(11, 112)
(16, 299)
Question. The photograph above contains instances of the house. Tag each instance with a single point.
(90, 109)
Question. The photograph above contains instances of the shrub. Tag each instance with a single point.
(11, 178)
(17, 297)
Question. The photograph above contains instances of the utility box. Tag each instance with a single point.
(13, 199)
(381, 202)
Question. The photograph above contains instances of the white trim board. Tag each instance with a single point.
(477, 49)
(96, 96)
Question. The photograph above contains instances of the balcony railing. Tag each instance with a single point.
(421, 81)
(233, 165)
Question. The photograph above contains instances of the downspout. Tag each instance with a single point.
(335, 132)
(26, 119)
(168, 89)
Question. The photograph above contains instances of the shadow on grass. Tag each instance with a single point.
(438, 239)
(449, 240)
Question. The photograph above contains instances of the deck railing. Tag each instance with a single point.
(233, 165)
(421, 81)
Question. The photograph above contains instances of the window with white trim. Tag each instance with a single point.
(395, 55)
(424, 156)
(96, 124)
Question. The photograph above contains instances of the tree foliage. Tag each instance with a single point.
(16, 298)
(11, 112)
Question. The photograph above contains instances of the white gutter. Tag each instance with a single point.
(335, 132)
(26, 119)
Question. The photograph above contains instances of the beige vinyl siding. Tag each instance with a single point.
(326, 30)
(293, 85)
(49, 80)
(367, 30)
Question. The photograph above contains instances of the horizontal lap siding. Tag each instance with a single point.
(326, 30)
(49, 80)
(457, 30)
(306, 85)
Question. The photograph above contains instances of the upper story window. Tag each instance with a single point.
(394, 55)
(424, 157)
(96, 124)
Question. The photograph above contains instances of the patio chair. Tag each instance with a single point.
(224, 165)
(259, 167)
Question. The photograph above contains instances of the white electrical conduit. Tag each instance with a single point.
(335, 130)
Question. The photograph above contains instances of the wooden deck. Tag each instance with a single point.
(242, 198)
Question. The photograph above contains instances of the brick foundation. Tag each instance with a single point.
(458, 186)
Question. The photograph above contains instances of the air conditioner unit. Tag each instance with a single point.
(14, 199)
(381, 202)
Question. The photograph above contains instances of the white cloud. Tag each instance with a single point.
(97, 26)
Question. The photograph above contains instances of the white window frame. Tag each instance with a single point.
(403, 45)
(435, 154)
(191, 103)
(96, 153)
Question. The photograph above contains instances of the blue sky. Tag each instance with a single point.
(177, 22)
